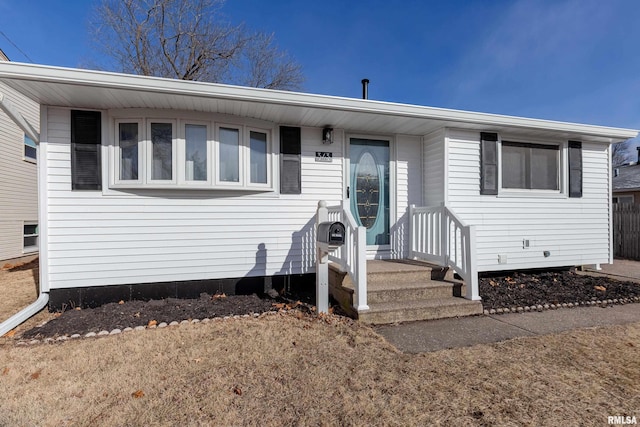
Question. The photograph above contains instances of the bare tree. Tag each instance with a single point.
(188, 40)
(620, 153)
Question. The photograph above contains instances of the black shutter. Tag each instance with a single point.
(290, 160)
(488, 163)
(86, 173)
(575, 169)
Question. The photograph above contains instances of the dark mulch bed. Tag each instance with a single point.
(139, 313)
(530, 289)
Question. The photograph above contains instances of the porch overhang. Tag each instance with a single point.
(76, 88)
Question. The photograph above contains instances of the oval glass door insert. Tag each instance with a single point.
(367, 189)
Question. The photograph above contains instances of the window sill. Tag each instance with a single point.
(532, 194)
(30, 250)
(188, 187)
(29, 160)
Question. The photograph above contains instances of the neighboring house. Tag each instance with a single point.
(155, 187)
(18, 180)
(626, 183)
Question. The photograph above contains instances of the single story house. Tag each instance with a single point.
(626, 183)
(150, 186)
(18, 180)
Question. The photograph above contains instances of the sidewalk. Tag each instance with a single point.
(433, 335)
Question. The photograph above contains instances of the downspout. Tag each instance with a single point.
(43, 298)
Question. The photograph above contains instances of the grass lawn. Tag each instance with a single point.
(292, 369)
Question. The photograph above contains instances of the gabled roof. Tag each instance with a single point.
(626, 178)
(75, 88)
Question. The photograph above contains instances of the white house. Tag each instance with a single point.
(155, 187)
(18, 180)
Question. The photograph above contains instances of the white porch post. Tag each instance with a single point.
(444, 236)
(361, 285)
(473, 291)
(322, 264)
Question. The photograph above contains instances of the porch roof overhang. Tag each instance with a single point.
(76, 88)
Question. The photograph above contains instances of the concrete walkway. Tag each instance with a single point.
(433, 335)
(419, 337)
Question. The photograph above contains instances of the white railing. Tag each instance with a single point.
(352, 256)
(438, 236)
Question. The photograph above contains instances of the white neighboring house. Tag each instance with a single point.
(18, 180)
(153, 187)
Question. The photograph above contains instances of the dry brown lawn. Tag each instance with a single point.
(292, 369)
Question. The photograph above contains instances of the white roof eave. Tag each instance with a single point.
(27, 78)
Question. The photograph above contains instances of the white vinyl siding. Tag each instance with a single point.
(408, 191)
(575, 231)
(18, 177)
(433, 172)
(164, 235)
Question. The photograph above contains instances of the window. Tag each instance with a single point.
(575, 169)
(86, 171)
(258, 157)
(184, 153)
(229, 154)
(129, 149)
(195, 167)
(30, 150)
(30, 237)
(290, 153)
(623, 199)
(530, 166)
(162, 137)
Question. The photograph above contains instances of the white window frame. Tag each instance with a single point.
(561, 192)
(247, 162)
(117, 153)
(33, 248)
(182, 154)
(149, 151)
(178, 121)
(241, 156)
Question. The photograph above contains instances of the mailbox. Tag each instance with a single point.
(331, 233)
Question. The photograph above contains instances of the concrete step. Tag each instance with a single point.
(407, 311)
(394, 291)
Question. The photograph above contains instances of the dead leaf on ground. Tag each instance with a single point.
(36, 374)
(152, 323)
(197, 360)
(237, 390)
(5, 371)
(121, 302)
(218, 296)
(137, 314)
(78, 308)
(600, 288)
(10, 334)
(492, 283)
(137, 394)
(630, 344)
(279, 305)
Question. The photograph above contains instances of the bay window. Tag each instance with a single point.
(198, 154)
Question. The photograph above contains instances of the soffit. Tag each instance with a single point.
(88, 89)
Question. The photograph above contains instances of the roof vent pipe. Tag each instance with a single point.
(365, 92)
(638, 148)
(616, 172)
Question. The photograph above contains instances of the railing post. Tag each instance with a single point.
(322, 265)
(412, 231)
(361, 268)
(473, 291)
(444, 236)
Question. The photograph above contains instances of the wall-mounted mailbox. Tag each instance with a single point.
(331, 233)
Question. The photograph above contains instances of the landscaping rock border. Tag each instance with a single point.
(543, 307)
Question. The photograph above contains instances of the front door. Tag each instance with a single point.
(369, 187)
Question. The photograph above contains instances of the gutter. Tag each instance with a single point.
(24, 314)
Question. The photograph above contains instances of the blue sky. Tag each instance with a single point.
(567, 60)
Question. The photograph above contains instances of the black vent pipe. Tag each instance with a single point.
(365, 88)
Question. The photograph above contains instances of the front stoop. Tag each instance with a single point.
(403, 291)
